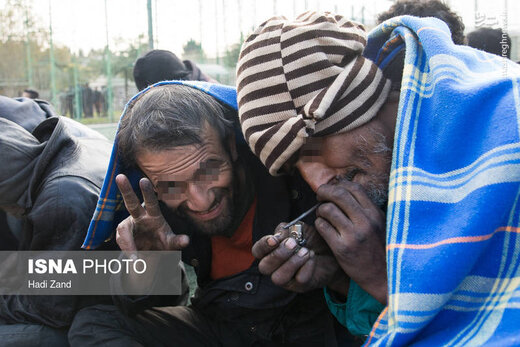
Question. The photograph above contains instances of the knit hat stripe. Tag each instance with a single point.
(333, 49)
(356, 110)
(315, 18)
(300, 94)
(259, 60)
(306, 51)
(317, 34)
(311, 23)
(259, 76)
(259, 128)
(314, 68)
(326, 98)
(285, 109)
(271, 41)
(259, 83)
(267, 135)
(290, 143)
(262, 66)
(291, 126)
(261, 114)
(359, 84)
(261, 92)
(265, 30)
(325, 74)
(305, 78)
(285, 143)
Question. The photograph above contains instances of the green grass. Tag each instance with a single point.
(101, 120)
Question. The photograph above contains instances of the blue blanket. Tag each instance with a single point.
(453, 222)
(110, 210)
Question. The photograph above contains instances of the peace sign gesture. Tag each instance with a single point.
(145, 228)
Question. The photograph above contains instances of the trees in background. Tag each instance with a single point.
(192, 50)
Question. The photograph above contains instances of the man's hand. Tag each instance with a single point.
(145, 228)
(293, 267)
(354, 228)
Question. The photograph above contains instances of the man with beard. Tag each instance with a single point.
(346, 161)
(205, 193)
(427, 147)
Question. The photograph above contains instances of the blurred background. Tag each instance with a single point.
(79, 54)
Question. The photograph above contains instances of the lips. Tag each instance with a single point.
(209, 214)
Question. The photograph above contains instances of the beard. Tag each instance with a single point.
(375, 183)
(220, 225)
(377, 190)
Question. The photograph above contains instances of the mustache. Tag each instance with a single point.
(219, 194)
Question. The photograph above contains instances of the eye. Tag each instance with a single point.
(209, 170)
(349, 176)
(208, 175)
(170, 187)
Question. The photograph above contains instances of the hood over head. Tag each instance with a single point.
(19, 154)
(23, 111)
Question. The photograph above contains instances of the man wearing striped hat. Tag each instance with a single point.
(296, 82)
(423, 160)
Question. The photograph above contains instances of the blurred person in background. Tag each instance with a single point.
(490, 40)
(427, 8)
(30, 93)
(160, 65)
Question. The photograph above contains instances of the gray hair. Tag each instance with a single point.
(169, 116)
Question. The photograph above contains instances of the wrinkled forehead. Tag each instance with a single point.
(203, 171)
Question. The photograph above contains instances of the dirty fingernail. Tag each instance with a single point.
(290, 243)
(271, 241)
(303, 252)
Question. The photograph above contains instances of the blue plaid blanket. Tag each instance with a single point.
(453, 222)
(110, 209)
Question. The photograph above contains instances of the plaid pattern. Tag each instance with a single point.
(110, 209)
(303, 78)
(453, 222)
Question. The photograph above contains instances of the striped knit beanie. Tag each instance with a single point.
(304, 78)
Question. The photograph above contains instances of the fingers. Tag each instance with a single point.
(131, 201)
(269, 242)
(278, 256)
(294, 261)
(327, 231)
(150, 199)
(358, 192)
(332, 214)
(342, 197)
(124, 235)
(306, 272)
(177, 242)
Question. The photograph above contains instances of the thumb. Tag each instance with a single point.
(177, 242)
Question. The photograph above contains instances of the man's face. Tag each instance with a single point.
(194, 181)
(362, 155)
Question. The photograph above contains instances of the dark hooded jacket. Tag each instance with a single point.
(56, 177)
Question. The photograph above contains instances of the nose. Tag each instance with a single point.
(315, 173)
(199, 197)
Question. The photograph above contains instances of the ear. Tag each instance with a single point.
(232, 145)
